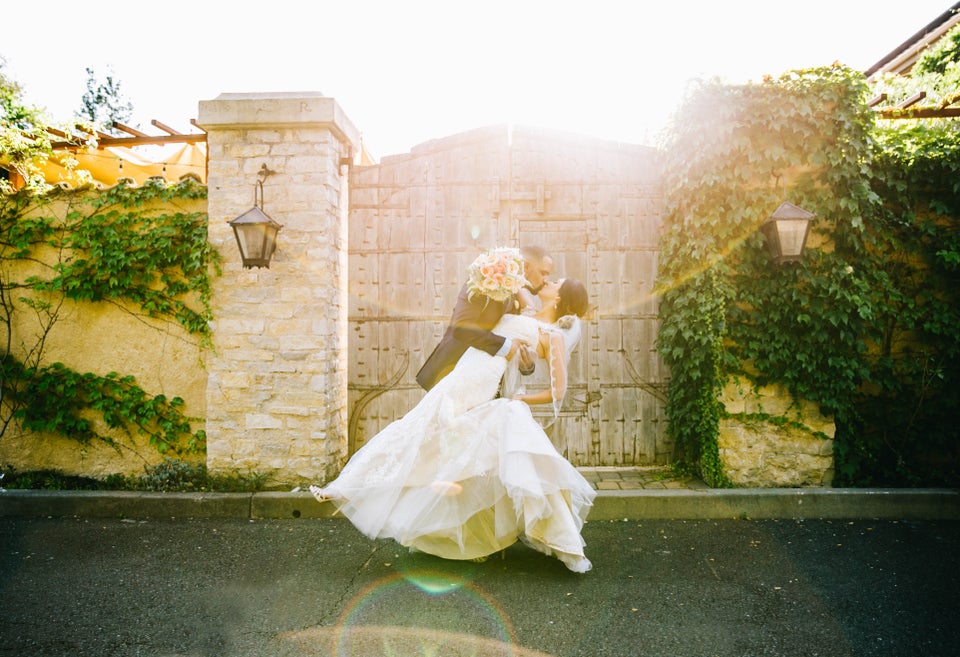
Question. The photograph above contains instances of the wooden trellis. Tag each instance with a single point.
(134, 137)
(909, 108)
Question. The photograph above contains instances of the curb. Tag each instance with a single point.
(674, 504)
(779, 503)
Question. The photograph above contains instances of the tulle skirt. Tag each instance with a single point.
(462, 476)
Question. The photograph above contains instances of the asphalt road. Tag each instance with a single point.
(292, 588)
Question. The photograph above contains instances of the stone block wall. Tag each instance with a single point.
(771, 440)
(277, 373)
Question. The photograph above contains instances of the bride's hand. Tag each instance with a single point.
(527, 364)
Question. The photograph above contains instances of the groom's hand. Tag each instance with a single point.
(527, 364)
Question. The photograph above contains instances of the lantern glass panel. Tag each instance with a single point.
(256, 240)
(256, 235)
(792, 236)
(786, 232)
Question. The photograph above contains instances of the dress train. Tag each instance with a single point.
(463, 475)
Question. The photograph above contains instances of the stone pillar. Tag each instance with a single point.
(277, 372)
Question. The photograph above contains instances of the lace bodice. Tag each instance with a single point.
(563, 339)
(519, 327)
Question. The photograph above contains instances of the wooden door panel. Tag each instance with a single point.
(417, 221)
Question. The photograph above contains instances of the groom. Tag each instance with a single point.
(473, 319)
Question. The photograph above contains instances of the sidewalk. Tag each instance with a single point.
(646, 478)
(623, 494)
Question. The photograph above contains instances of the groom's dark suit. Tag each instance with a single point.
(469, 326)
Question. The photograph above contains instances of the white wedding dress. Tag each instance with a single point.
(464, 475)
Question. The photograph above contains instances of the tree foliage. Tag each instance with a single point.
(104, 102)
(24, 142)
(941, 57)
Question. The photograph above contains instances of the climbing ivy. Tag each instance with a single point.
(690, 340)
(885, 204)
(125, 245)
(905, 430)
(57, 399)
(121, 253)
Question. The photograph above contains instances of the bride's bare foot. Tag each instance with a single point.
(320, 494)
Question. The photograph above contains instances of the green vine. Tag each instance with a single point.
(56, 399)
(690, 342)
(119, 252)
(869, 315)
(126, 245)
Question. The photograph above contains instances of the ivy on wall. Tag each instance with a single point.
(905, 430)
(818, 327)
(124, 245)
(155, 261)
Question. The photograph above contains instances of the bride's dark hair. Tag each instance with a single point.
(572, 299)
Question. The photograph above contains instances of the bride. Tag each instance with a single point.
(464, 474)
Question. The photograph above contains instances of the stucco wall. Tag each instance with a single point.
(102, 338)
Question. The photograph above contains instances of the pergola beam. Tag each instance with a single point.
(950, 100)
(127, 129)
(106, 141)
(165, 127)
(912, 100)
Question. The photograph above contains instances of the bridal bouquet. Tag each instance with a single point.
(496, 274)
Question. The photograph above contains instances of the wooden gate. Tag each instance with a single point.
(417, 220)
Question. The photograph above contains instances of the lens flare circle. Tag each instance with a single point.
(442, 610)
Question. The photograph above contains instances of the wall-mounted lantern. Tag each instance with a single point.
(786, 232)
(256, 233)
(786, 229)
